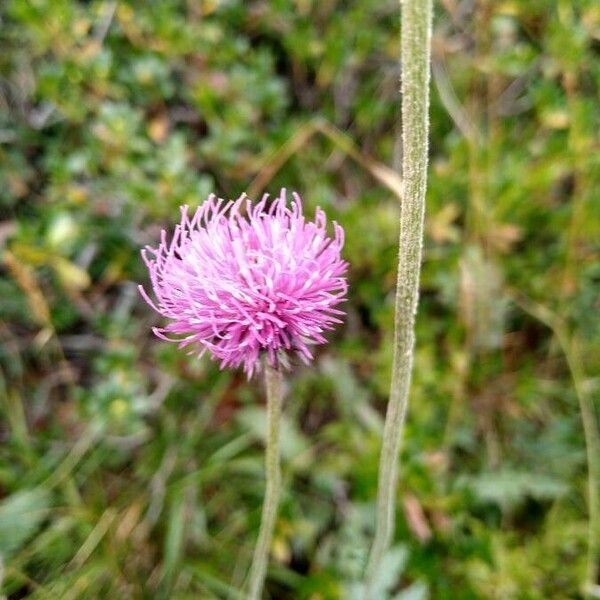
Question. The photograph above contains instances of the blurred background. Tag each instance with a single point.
(130, 470)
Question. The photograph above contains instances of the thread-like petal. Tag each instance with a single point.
(239, 279)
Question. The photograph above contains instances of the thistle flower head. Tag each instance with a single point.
(240, 279)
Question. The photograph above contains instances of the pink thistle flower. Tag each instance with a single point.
(238, 285)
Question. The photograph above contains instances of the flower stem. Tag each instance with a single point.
(258, 569)
(415, 45)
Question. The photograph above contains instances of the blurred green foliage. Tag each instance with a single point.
(131, 470)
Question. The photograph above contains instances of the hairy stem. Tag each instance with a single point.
(258, 569)
(416, 45)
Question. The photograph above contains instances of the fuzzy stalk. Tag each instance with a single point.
(415, 59)
(258, 569)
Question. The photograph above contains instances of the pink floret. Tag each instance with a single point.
(239, 280)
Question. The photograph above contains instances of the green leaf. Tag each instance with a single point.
(20, 516)
(417, 591)
(292, 442)
(509, 488)
(174, 540)
(391, 569)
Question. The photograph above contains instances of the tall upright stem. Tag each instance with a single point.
(415, 45)
(258, 569)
